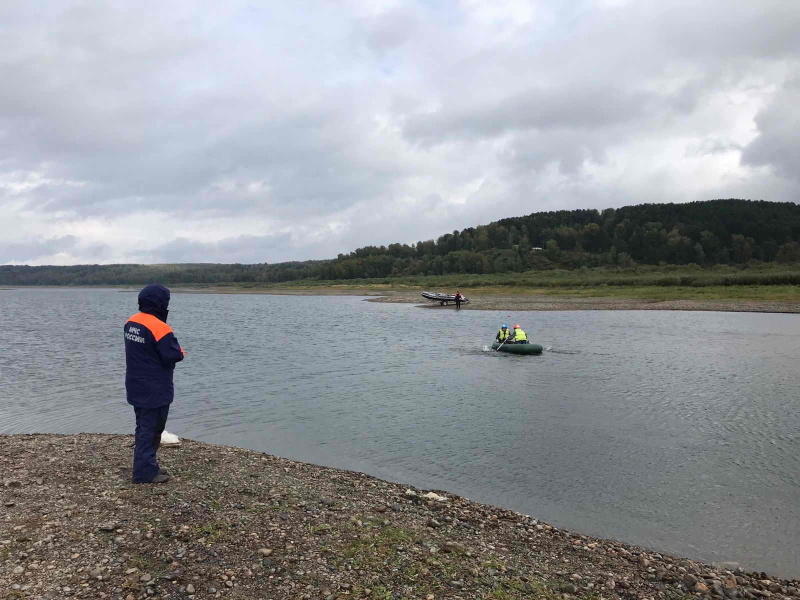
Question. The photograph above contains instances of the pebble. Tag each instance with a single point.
(415, 510)
(452, 547)
(700, 587)
(322, 529)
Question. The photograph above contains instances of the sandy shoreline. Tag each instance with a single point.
(558, 303)
(525, 302)
(240, 524)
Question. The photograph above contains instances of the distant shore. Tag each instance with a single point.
(236, 523)
(525, 300)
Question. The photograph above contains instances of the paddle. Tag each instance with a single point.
(501, 345)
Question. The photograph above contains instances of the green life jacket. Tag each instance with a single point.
(520, 336)
(502, 335)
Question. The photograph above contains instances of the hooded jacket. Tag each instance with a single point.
(151, 351)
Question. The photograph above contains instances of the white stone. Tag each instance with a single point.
(434, 496)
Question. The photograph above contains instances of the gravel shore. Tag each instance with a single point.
(549, 303)
(240, 524)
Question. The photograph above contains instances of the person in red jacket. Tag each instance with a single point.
(151, 351)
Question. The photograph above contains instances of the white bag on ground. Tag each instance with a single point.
(170, 439)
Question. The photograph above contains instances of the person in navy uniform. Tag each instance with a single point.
(151, 351)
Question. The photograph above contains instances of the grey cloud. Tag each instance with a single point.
(777, 143)
(391, 29)
(569, 149)
(328, 112)
(724, 30)
(713, 145)
(30, 251)
(137, 139)
(609, 68)
(576, 106)
(241, 249)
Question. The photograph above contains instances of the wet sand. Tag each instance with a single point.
(551, 303)
(521, 302)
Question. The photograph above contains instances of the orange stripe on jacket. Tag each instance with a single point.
(156, 326)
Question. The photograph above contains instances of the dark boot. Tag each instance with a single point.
(160, 479)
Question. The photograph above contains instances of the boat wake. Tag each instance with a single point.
(556, 351)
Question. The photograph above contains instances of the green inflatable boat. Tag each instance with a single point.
(518, 348)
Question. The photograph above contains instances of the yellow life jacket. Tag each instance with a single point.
(520, 336)
(502, 335)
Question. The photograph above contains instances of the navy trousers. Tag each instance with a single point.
(150, 423)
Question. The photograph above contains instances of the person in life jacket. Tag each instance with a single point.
(502, 335)
(519, 336)
(151, 351)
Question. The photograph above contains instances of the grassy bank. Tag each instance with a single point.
(768, 282)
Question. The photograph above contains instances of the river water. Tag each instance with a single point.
(678, 431)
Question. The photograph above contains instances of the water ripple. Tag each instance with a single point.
(673, 430)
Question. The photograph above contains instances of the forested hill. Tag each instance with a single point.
(703, 233)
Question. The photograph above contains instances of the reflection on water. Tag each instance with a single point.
(678, 431)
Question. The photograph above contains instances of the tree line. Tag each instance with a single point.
(702, 233)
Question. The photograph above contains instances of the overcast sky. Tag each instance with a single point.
(189, 131)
